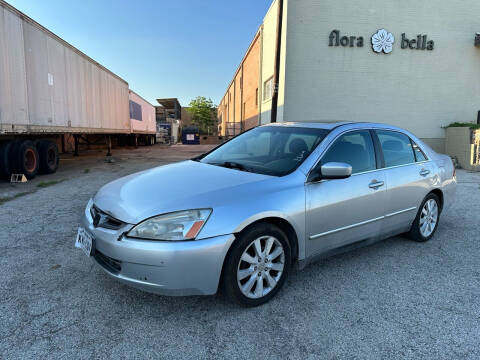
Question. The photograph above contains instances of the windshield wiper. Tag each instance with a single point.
(232, 165)
(198, 158)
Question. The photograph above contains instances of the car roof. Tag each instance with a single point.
(341, 126)
(338, 124)
(312, 125)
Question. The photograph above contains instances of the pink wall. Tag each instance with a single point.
(148, 123)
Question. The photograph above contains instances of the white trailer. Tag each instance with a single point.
(142, 118)
(48, 88)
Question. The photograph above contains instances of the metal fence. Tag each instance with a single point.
(233, 128)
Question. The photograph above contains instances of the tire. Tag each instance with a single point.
(423, 230)
(5, 160)
(25, 159)
(48, 154)
(272, 273)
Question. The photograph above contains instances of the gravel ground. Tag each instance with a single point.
(395, 299)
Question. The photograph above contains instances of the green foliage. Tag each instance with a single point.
(462, 124)
(204, 113)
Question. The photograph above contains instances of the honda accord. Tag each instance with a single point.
(277, 196)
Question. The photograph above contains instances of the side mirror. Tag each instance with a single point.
(331, 170)
(334, 170)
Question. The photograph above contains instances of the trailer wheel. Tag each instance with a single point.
(5, 161)
(48, 155)
(25, 159)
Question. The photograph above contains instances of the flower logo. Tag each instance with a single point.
(382, 40)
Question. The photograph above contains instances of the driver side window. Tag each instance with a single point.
(354, 148)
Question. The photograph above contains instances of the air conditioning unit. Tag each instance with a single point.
(477, 39)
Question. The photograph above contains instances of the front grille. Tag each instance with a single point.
(113, 265)
(103, 220)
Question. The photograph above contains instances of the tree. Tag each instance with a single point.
(204, 113)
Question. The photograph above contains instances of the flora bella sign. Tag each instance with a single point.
(382, 41)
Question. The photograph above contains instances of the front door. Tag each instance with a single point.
(340, 212)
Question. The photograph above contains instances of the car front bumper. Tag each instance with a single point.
(175, 268)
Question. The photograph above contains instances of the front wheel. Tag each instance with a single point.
(426, 222)
(257, 265)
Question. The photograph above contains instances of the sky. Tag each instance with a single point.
(163, 49)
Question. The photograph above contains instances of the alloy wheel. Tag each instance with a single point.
(428, 218)
(260, 267)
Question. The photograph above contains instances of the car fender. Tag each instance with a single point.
(286, 203)
(299, 230)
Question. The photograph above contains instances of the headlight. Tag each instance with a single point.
(181, 225)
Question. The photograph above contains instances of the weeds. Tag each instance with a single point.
(45, 184)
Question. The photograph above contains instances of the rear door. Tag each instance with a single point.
(408, 180)
(344, 211)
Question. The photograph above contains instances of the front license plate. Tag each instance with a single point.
(84, 241)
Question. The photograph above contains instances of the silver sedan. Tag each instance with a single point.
(274, 197)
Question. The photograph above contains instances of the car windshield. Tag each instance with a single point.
(269, 150)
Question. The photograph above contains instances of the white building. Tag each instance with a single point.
(409, 63)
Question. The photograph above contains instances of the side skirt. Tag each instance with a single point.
(301, 264)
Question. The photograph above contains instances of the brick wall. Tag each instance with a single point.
(251, 73)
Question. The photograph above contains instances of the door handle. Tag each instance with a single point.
(376, 184)
(424, 172)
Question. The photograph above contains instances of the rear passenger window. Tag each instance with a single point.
(419, 155)
(397, 148)
(354, 148)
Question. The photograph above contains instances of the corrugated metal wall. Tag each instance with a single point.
(13, 88)
(48, 86)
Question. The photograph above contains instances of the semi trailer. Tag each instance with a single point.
(54, 96)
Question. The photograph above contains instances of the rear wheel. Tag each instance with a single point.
(5, 159)
(257, 265)
(48, 155)
(426, 222)
(25, 159)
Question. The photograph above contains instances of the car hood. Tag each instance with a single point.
(180, 186)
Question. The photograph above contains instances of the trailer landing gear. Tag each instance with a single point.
(75, 138)
(109, 145)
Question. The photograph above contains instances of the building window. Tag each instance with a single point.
(268, 89)
(256, 97)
